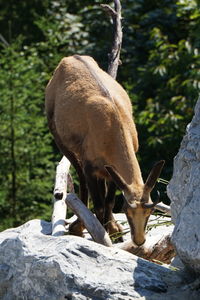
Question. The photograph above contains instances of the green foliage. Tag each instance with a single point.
(25, 145)
(63, 33)
(18, 18)
(161, 73)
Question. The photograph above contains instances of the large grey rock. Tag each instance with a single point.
(184, 192)
(37, 266)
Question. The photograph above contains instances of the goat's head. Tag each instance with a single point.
(138, 205)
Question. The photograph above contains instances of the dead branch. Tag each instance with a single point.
(60, 192)
(164, 208)
(114, 56)
(109, 10)
(91, 223)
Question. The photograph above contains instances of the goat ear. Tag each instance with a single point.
(153, 176)
(118, 180)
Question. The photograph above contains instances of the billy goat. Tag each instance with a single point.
(90, 117)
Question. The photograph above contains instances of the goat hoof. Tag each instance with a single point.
(76, 228)
(115, 231)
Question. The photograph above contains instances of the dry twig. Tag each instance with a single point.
(60, 192)
(114, 56)
(92, 224)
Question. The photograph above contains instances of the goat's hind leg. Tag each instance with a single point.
(77, 227)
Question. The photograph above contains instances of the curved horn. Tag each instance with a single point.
(152, 204)
(153, 176)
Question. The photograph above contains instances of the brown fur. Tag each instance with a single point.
(90, 116)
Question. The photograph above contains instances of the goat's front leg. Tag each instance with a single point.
(112, 227)
(103, 198)
(96, 189)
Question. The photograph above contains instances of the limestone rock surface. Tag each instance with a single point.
(184, 192)
(35, 265)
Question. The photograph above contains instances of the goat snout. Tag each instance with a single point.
(139, 242)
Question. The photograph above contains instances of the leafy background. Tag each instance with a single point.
(160, 71)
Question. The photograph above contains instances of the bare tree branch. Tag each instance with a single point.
(114, 56)
(91, 223)
(164, 208)
(109, 10)
(60, 192)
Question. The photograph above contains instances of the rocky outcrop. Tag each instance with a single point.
(184, 192)
(35, 265)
